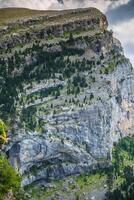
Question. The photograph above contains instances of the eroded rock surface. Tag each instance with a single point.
(74, 98)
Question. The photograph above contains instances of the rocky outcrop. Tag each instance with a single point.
(50, 25)
(80, 140)
(70, 128)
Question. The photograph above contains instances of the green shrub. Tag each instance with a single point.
(9, 179)
(3, 135)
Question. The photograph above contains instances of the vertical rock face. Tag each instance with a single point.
(75, 96)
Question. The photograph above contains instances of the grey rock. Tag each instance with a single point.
(76, 139)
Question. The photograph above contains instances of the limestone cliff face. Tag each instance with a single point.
(67, 119)
(49, 25)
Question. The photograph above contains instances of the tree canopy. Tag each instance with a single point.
(3, 135)
(9, 179)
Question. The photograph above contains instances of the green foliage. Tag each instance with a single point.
(7, 14)
(121, 177)
(74, 85)
(77, 185)
(9, 179)
(3, 135)
(49, 63)
(53, 91)
(29, 117)
(123, 154)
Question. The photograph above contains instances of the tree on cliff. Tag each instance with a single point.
(9, 179)
(3, 135)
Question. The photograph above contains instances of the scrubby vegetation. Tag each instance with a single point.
(10, 14)
(3, 135)
(121, 174)
(35, 64)
(9, 179)
(117, 180)
(78, 186)
(49, 72)
(17, 71)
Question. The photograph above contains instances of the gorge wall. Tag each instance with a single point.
(69, 93)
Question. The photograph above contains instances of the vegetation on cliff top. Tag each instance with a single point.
(8, 14)
(13, 14)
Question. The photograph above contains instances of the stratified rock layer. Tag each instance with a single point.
(66, 123)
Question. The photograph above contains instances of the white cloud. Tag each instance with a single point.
(131, 57)
(102, 5)
(125, 33)
(53, 4)
(119, 3)
(33, 4)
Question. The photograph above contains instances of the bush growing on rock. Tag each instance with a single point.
(3, 135)
(9, 179)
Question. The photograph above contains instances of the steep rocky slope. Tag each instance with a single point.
(67, 91)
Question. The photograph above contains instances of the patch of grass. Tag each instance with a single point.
(10, 14)
(89, 182)
(74, 184)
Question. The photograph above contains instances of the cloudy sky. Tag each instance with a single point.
(120, 14)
